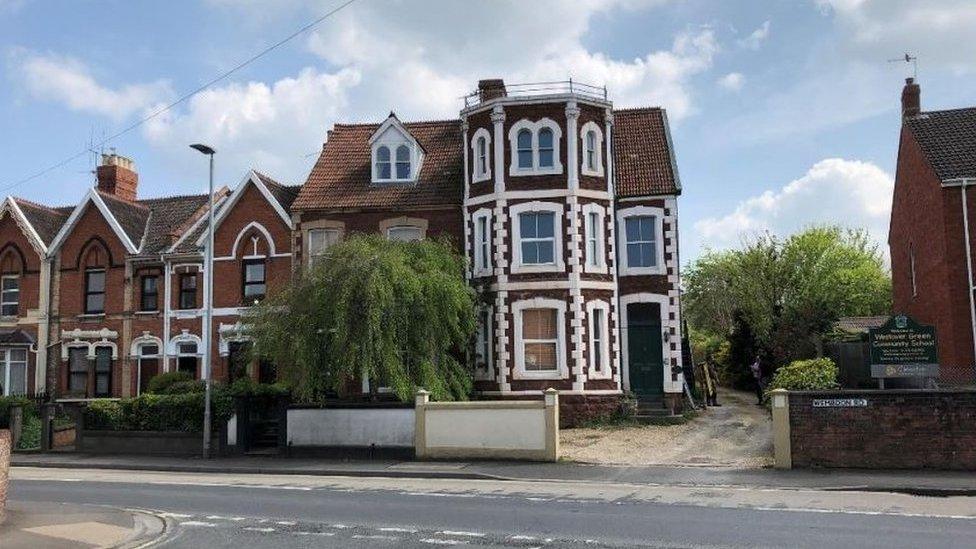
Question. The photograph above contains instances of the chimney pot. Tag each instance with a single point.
(491, 88)
(911, 99)
(117, 176)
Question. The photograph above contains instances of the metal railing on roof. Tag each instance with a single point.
(529, 89)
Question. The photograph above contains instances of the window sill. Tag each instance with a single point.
(588, 173)
(91, 316)
(546, 374)
(521, 172)
(596, 269)
(147, 313)
(481, 178)
(538, 268)
(641, 271)
(483, 273)
(599, 375)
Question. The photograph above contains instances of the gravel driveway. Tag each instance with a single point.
(737, 434)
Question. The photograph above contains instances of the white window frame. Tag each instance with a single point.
(482, 244)
(6, 362)
(597, 233)
(3, 294)
(392, 134)
(606, 371)
(534, 127)
(515, 212)
(638, 211)
(420, 232)
(485, 338)
(598, 152)
(562, 370)
(325, 231)
(140, 356)
(478, 175)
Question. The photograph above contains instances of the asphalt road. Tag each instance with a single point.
(280, 511)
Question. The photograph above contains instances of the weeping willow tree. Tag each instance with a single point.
(399, 313)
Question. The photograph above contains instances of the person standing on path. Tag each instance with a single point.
(757, 375)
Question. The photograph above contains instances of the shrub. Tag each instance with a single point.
(6, 403)
(246, 387)
(806, 375)
(162, 382)
(184, 387)
(30, 435)
(153, 412)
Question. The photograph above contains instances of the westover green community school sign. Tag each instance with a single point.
(902, 347)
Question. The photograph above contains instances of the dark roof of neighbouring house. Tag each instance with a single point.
(859, 323)
(643, 153)
(169, 215)
(132, 216)
(948, 139)
(342, 176)
(46, 221)
(284, 194)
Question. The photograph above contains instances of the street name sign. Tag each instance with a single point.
(840, 402)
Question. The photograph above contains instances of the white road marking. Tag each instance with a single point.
(375, 536)
(265, 530)
(198, 523)
(522, 538)
(286, 523)
(434, 541)
(400, 530)
(857, 512)
(175, 515)
(313, 533)
(339, 526)
(456, 533)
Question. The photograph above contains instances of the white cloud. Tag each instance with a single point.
(851, 193)
(255, 125)
(732, 81)
(388, 55)
(67, 80)
(756, 38)
(938, 31)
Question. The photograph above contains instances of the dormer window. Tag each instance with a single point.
(535, 148)
(397, 156)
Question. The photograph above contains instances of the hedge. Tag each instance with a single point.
(149, 412)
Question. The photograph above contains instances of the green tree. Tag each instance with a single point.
(399, 313)
(789, 291)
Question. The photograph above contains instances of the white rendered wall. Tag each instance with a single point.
(336, 427)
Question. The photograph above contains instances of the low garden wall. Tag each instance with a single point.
(498, 429)
(4, 471)
(893, 429)
(157, 443)
(389, 427)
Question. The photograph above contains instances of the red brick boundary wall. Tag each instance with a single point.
(897, 429)
(4, 471)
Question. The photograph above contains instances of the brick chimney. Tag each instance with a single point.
(117, 176)
(911, 99)
(491, 88)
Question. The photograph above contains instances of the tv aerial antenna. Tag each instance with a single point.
(908, 58)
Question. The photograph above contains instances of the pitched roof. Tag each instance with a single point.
(643, 153)
(284, 194)
(132, 216)
(342, 176)
(948, 139)
(169, 216)
(46, 221)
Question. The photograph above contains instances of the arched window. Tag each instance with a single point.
(383, 168)
(545, 148)
(591, 150)
(525, 148)
(403, 162)
(482, 156)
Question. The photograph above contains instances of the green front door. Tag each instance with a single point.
(644, 349)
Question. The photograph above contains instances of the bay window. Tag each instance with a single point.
(592, 146)
(534, 147)
(13, 371)
(482, 348)
(540, 340)
(481, 155)
(594, 260)
(538, 229)
(103, 371)
(482, 243)
(598, 314)
(78, 370)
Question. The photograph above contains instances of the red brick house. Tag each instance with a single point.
(931, 231)
(567, 212)
(109, 293)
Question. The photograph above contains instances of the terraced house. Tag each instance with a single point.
(565, 207)
(102, 296)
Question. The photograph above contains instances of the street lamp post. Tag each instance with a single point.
(208, 305)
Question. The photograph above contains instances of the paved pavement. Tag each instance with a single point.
(40, 524)
(928, 482)
(230, 510)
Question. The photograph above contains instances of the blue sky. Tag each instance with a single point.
(784, 113)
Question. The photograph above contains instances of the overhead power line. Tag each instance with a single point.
(181, 99)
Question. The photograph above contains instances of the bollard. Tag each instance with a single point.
(552, 424)
(420, 424)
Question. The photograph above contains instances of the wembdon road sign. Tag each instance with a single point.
(902, 347)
